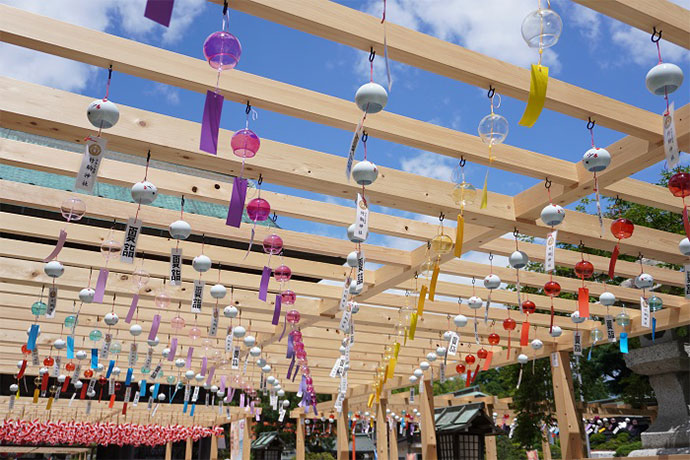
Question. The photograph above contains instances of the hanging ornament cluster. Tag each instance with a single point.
(583, 270)
(493, 130)
(679, 186)
(540, 29)
(662, 80)
(491, 282)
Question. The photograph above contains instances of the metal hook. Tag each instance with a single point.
(261, 179)
(248, 108)
(428, 244)
(372, 54)
(110, 72)
(225, 7)
(274, 218)
(515, 232)
(491, 92)
(473, 280)
(462, 161)
(148, 156)
(365, 136)
(590, 123)
(581, 246)
(547, 183)
(656, 35)
(491, 256)
(441, 217)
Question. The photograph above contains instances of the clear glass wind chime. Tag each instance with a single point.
(493, 130)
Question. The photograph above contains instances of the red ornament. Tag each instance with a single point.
(679, 184)
(494, 339)
(88, 373)
(528, 307)
(460, 368)
(469, 359)
(49, 361)
(552, 288)
(70, 366)
(102, 380)
(509, 324)
(622, 228)
(584, 269)
(25, 351)
(482, 353)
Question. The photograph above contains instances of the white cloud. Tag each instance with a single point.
(169, 93)
(103, 15)
(640, 50)
(587, 20)
(430, 165)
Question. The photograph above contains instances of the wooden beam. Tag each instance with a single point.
(382, 430)
(393, 441)
(70, 41)
(360, 30)
(188, 449)
(299, 428)
(569, 421)
(168, 451)
(666, 16)
(343, 447)
(247, 438)
(428, 423)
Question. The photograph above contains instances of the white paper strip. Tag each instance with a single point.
(645, 320)
(94, 151)
(198, 295)
(610, 332)
(129, 246)
(176, 266)
(577, 343)
(670, 140)
(52, 301)
(550, 260)
(362, 222)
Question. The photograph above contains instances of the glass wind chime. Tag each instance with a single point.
(493, 130)
(621, 229)
(552, 215)
(491, 282)
(649, 305)
(72, 210)
(463, 194)
(596, 160)
(540, 29)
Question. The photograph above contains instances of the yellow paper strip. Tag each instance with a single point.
(391, 368)
(371, 401)
(397, 350)
(413, 326)
(378, 393)
(407, 332)
(485, 193)
(36, 393)
(459, 234)
(434, 279)
(539, 78)
(422, 298)
(50, 403)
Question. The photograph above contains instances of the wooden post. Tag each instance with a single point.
(343, 444)
(301, 452)
(188, 449)
(381, 430)
(545, 446)
(428, 424)
(490, 448)
(247, 439)
(214, 447)
(168, 451)
(393, 442)
(569, 421)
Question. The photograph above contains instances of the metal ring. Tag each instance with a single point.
(491, 92)
(590, 123)
(656, 35)
(547, 184)
(372, 54)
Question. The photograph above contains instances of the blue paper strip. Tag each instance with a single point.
(184, 408)
(653, 329)
(33, 333)
(111, 364)
(142, 388)
(128, 380)
(624, 342)
(70, 347)
(155, 390)
(94, 358)
(191, 413)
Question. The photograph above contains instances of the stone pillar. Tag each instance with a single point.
(667, 364)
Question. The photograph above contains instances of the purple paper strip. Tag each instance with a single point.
(210, 375)
(204, 363)
(294, 374)
(231, 394)
(263, 287)
(100, 285)
(251, 405)
(154, 327)
(241, 399)
(236, 207)
(58, 247)
(276, 310)
(159, 11)
(290, 348)
(190, 351)
(210, 123)
(289, 372)
(222, 384)
(284, 327)
(132, 308)
(316, 412)
(173, 348)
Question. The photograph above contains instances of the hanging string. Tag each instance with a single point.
(146, 174)
(372, 55)
(656, 38)
(110, 76)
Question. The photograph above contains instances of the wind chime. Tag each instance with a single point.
(72, 210)
(528, 307)
(577, 334)
(509, 325)
(596, 160)
(109, 248)
(679, 186)
(475, 303)
(522, 359)
(552, 215)
(662, 80)
(463, 194)
(245, 144)
(518, 259)
(272, 245)
(540, 29)
(102, 114)
(493, 130)
(440, 245)
(621, 229)
(491, 282)
(584, 270)
(645, 281)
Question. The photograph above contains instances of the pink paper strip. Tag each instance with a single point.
(263, 287)
(58, 247)
(210, 123)
(154, 327)
(242, 400)
(159, 11)
(100, 285)
(222, 384)
(236, 207)
(190, 351)
(132, 308)
(173, 348)
(276, 310)
(210, 375)
(204, 363)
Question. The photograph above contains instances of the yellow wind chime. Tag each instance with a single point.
(463, 194)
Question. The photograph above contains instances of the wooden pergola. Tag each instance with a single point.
(28, 236)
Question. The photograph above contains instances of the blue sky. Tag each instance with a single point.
(594, 52)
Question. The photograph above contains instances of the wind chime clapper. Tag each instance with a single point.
(662, 80)
(540, 29)
(493, 130)
(463, 194)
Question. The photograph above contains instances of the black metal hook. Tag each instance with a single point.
(618, 202)
(148, 156)
(590, 123)
(656, 35)
(547, 183)
(248, 108)
(441, 217)
(581, 246)
(261, 179)
(372, 54)
(274, 218)
(110, 72)
(515, 232)
(462, 161)
(225, 7)
(182, 201)
(491, 92)
(491, 256)
(365, 136)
